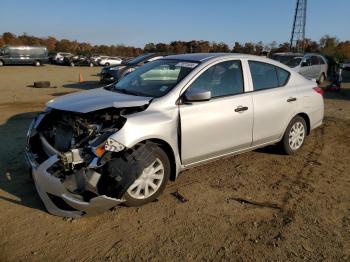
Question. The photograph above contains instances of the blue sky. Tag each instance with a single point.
(142, 21)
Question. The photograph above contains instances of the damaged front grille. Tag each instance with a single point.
(78, 140)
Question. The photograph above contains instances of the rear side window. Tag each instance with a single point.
(266, 76)
(321, 61)
(314, 60)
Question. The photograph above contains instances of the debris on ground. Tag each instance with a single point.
(251, 202)
(179, 197)
(42, 84)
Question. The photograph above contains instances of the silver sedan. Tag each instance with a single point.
(92, 150)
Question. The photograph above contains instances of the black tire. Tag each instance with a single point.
(157, 152)
(286, 140)
(37, 63)
(42, 84)
(91, 65)
(107, 64)
(2, 63)
(72, 64)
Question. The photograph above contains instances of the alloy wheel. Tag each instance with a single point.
(296, 136)
(149, 181)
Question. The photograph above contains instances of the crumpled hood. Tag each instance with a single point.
(96, 99)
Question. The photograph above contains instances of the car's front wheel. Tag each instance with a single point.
(152, 181)
(294, 136)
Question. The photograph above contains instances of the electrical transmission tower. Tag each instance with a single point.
(298, 32)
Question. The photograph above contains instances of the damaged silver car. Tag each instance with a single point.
(93, 150)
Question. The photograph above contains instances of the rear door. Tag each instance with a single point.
(224, 123)
(274, 101)
(306, 68)
(316, 67)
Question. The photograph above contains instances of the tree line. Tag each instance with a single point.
(327, 45)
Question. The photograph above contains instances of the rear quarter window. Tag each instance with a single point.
(283, 76)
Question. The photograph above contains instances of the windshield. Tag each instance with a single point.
(289, 60)
(138, 59)
(156, 78)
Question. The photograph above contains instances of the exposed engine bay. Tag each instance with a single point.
(86, 155)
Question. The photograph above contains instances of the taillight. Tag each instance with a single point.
(319, 90)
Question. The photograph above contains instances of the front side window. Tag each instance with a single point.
(156, 78)
(222, 79)
(307, 61)
(266, 76)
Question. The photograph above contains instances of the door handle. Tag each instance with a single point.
(241, 108)
(291, 99)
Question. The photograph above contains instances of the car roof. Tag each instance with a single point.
(201, 57)
(297, 54)
(289, 54)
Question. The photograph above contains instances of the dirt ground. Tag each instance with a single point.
(305, 211)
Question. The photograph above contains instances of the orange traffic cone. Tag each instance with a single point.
(81, 79)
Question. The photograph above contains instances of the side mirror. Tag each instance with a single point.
(197, 94)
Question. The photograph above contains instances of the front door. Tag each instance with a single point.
(274, 101)
(224, 123)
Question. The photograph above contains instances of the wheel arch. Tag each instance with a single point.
(307, 121)
(168, 151)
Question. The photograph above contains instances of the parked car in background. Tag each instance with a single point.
(310, 65)
(115, 73)
(78, 61)
(346, 65)
(23, 55)
(110, 61)
(92, 150)
(97, 58)
(58, 58)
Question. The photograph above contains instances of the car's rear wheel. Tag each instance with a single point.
(72, 64)
(37, 63)
(294, 136)
(1, 63)
(106, 64)
(152, 181)
(91, 65)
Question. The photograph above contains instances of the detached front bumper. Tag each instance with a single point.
(57, 199)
